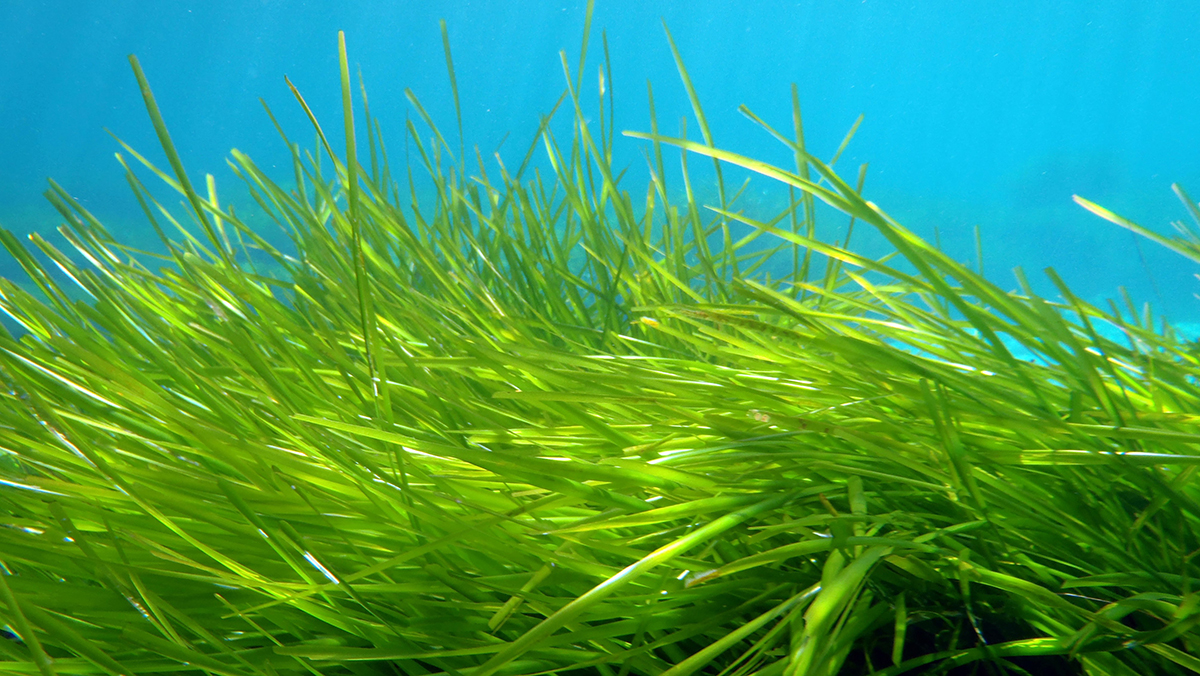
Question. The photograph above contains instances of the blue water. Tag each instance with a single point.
(988, 114)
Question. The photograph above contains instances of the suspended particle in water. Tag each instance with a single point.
(759, 415)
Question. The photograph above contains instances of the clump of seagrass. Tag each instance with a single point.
(527, 427)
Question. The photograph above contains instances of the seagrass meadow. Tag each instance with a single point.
(540, 421)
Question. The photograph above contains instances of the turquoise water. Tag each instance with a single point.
(988, 114)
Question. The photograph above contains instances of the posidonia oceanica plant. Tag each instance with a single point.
(539, 422)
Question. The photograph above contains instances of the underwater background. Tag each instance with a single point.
(976, 114)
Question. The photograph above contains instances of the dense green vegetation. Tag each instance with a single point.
(543, 424)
